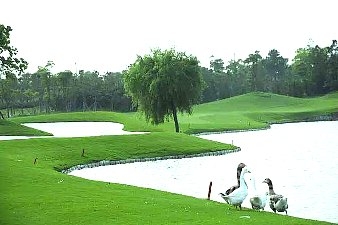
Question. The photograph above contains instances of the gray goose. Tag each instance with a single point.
(278, 203)
(239, 170)
(257, 200)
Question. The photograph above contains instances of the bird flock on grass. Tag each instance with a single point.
(236, 194)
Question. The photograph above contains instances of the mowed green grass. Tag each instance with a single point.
(8, 128)
(40, 194)
(258, 110)
(250, 111)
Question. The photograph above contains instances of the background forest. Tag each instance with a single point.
(312, 72)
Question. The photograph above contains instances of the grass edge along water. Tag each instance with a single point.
(33, 191)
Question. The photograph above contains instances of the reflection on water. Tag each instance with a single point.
(300, 158)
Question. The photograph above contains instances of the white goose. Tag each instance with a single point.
(257, 200)
(278, 203)
(237, 197)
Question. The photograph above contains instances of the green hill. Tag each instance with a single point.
(37, 193)
(258, 110)
(250, 111)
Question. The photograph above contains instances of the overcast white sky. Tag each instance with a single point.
(107, 35)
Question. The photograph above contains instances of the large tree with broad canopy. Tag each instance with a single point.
(163, 83)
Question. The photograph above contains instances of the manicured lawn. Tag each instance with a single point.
(11, 128)
(250, 111)
(257, 110)
(39, 194)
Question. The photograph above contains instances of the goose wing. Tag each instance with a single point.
(275, 198)
(231, 189)
(256, 202)
(279, 203)
(282, 205)
(235, 197)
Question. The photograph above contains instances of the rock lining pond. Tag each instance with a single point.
(300, 158)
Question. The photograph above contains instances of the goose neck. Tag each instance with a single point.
(271, 191)
(242, 182)
(253, 183)
(238, 176)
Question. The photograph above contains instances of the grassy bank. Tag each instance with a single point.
(39, 194)
(9, 128)
(250, 111)
(258, 110)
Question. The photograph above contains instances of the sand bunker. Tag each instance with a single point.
(75, 129)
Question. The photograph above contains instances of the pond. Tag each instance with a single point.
(301, 159)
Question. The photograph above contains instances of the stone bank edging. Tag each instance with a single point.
(124, 161)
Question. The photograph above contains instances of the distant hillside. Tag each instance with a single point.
(249, 111)
(258, 110)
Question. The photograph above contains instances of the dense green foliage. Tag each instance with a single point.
(9, 64)
(44, 92)
(163, 84)
(312, 72)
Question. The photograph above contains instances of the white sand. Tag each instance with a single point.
(75, 129)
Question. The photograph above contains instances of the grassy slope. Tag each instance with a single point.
(38, 194)
(10, 128)
(250, 111)
(257, 110)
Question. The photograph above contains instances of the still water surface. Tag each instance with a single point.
(301, 159)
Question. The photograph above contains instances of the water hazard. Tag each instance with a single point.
(300, 158)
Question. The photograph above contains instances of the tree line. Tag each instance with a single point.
(313, 71)
(44, 92)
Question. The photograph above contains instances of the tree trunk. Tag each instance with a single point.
(83, 104)
(177, 127)
(2, 115)
(95, 104)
